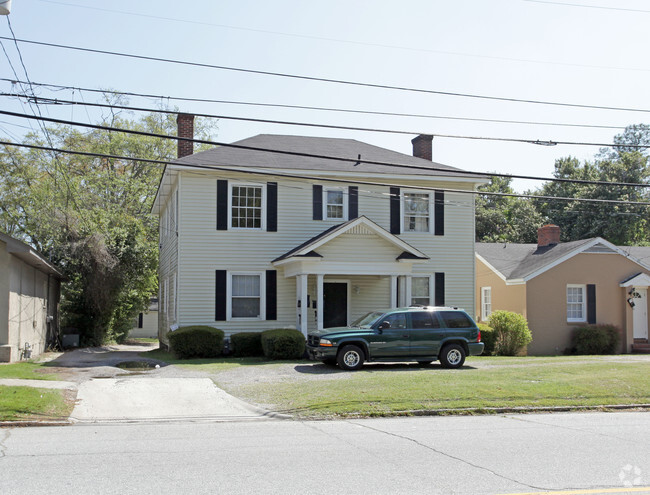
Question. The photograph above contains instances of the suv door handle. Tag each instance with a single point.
(406, 335)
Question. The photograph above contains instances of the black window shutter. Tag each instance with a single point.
(272, 207)
(439, 213)
(440, 289)
(394, 210)
(318, 202)
(591, 303)
(140, 320)
(271, 295)
(222, 205)
(220, 296)
(353, 202)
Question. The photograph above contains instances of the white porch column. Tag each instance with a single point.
(319, 301)
(393, 291)
(301, 311)
(407, 290)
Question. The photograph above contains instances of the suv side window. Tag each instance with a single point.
(456, 319)
(396, 320)
(423, 319)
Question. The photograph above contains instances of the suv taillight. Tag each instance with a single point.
(479, 335)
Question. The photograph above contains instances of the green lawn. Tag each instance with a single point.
(27, 403)
(26, 370)
(383, 389)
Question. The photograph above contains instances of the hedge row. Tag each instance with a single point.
(207, 342)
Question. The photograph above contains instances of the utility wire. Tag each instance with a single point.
(323, 179)
(326, 109)
(349, 42)
(588, 6)
(432, 168)
(325, 80)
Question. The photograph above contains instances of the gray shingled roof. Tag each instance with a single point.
(517, 261)
(349, 149)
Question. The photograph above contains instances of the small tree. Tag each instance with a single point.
(512, 333)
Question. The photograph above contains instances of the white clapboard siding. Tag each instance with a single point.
(202, 249)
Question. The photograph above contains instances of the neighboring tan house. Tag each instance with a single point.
(558, 286)
(29, 301)
(146, 324)
(252, 239)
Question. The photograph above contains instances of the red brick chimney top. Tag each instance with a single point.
(185, 122)
(548, 235)
(422, 146)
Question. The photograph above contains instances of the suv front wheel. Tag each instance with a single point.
(351, 358)
(452, 356)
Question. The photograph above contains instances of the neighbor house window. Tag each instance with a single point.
(486, 302)
(416, 208)
(246, 296)
(246, 207)
(420, 291)
(576, 306)
(334, 204)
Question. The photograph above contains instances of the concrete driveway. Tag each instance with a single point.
(107, 393)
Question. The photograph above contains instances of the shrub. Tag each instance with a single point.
(283, 343)
(196, 341)
(246, 344)
(488, 337)
(512, 333)
(596, 339)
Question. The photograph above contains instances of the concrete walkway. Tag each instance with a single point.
(159, 399)
(106, 393)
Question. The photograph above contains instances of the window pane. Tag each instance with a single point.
(246, 307)
(397, 320)
(334, 204)
(422, 320)
(420, 286)
(245, 285)
(416, 212)
(454, 319)
(246, 207)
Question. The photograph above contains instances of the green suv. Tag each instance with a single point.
(421, 334)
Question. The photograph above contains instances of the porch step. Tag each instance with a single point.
(641, 348)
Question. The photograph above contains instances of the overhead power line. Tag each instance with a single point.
(567, 4)
(433, 168)
(450, 136)
(326, 109)
(325, 80)
(221, 168)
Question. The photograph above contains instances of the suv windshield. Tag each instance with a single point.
(367, 320)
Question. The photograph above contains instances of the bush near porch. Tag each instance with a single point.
(596, 339)
(196, 341)
(283, 343)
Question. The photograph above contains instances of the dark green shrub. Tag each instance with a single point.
(488, 337)
(283, 343)
(596, 339)
(246, 344)
(196, 342)
(512, 333)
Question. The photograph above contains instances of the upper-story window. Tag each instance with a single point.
(334, 205)
(416, 208)
(247, 206)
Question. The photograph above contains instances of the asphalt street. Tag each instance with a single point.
(566, 453)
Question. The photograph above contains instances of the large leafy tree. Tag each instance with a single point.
(505, 218)
(91, 215)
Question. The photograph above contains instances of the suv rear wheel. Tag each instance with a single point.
(351, 358)
(452, 356)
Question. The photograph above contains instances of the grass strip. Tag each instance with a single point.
(28, 403)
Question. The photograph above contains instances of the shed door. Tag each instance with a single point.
(641, 314)
(335, 301)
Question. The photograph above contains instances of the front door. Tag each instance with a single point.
(335, 302)
(640, 318)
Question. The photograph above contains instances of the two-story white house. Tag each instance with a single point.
(307, 232)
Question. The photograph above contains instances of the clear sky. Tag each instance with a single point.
(590, 52)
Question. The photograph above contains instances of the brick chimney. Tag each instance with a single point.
(422, 146)
(185, 122)
(548, 235)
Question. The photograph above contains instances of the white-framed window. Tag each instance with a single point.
(247, 206)
(416, 212)
(486, 303)
(576, 303)
(334, 204)
(246, 295)
(421, 290)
